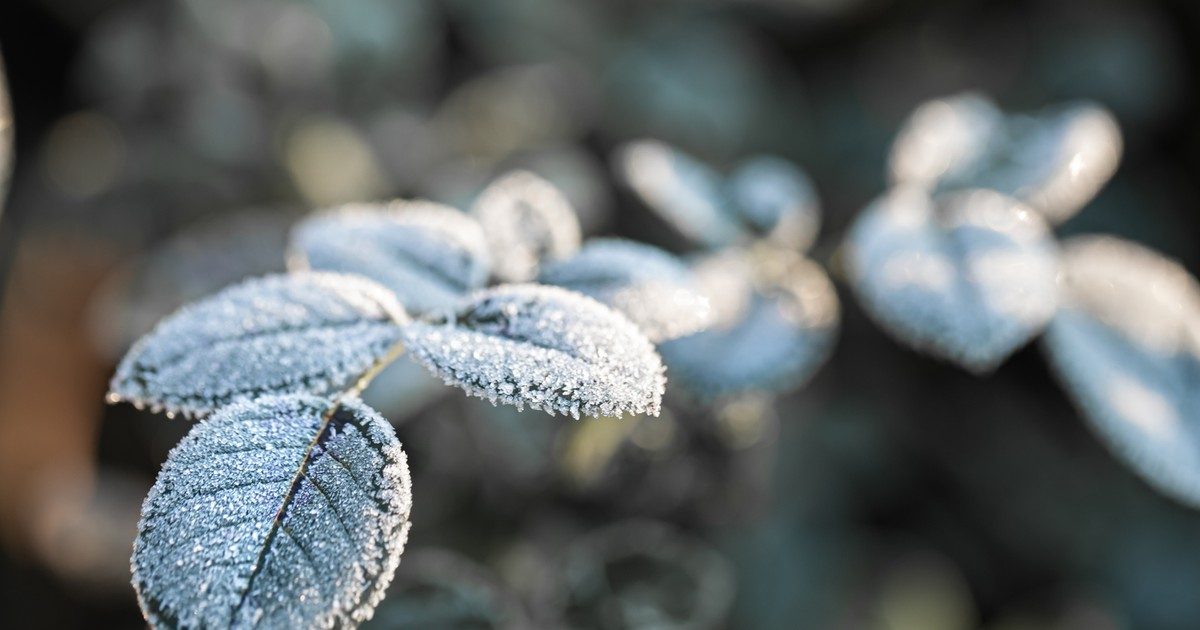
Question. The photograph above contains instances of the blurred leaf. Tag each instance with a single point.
(776, 318)
(1126, 345)
(775, 199)
(652, 288)
(527, 221)
(966, 276)
(685, 192)
(1055, 160)
(544, 347)
(284, 511)
(306, 332)
(429, 255)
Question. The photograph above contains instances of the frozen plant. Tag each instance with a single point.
(288, 504)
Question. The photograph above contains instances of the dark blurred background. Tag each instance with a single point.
(892, 491)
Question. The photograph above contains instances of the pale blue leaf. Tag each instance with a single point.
(428, 254)
(652, 288)
(310, 332)
(686, 193)
(1055, 160)
(527, 221)
(775, 199)
(283, 512)
(777, 317)
(968, 276)
(542, 347)
(1126, 345)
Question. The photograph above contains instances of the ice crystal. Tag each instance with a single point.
(651, 287)
(775, 199)
(777, 318)
(282, 512)
(966, 276)
(428, 254)
(312, 332)
(1055, 160)
(1126, 345)
(527, 221)
(684, 191)
(544, 347)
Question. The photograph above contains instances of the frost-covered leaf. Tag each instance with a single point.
(527, 221)
(966, 276)
(774, 198)
(428, 254)
(282, 512)
(310, 332)
(682, 190)
(651, 287)
(776, 320)
(544, 347)
(1126, 345)
(196, 262)
(435, 588)
(1055, 160)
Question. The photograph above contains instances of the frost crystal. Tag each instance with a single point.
(1126, 345)
(684, 191)
(298, 333)
(544, 347)
(527, 221)
(775, 199)
(1055, 160)
(283, 512)
(428, 254)
(966, 276)
(651, 287)
(777, 317)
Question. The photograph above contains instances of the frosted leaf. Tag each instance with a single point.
(310, 332)
(1055, 160)
(651, 287)
(1126, 346)
(526, 221)
(435, 588)
(968, 276)
(542, 347)
(283, 512)
(196, 262)
(777, 317)
(428, 254)
(774, 198)
(683, 191)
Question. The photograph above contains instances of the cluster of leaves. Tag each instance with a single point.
(957, 260)
(288, 503)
